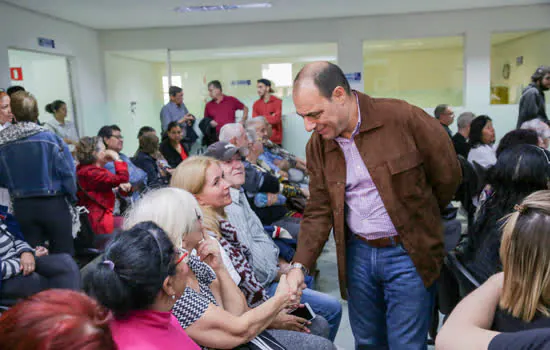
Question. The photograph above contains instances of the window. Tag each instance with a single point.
(176, 81)
(514, 58)
(425, 72)
(279, 73)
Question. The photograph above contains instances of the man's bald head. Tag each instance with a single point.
(325, 76)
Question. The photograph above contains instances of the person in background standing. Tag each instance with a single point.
(28, 153)
(271, 108)
(446, 117)
(383, 195)
(176, 111)
(221, 109)
(532, 103)
(460, 140)
(59, 126)
(6, 116)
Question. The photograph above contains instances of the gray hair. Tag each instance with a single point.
(252, 122)
(251, 134)
(229, 131)
(465, 119)
(542, 129)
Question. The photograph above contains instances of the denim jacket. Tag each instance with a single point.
(35, 163)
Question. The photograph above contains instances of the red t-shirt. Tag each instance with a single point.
(272, 111)
(183, 154)
(223, 112)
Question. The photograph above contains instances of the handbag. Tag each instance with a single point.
(263, 341)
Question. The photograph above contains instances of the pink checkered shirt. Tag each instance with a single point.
(366, 215)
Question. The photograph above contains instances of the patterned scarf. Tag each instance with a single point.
(240, 256)
(19, 131)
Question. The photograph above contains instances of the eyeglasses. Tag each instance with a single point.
(183, 256)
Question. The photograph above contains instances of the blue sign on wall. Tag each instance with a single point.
(241, 82)
(44, 42)
(355, 76)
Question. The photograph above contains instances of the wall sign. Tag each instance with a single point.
(241, 82)
(16, 73)
(355, 76)
(45, 42)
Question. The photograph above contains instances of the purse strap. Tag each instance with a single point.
(92, 198)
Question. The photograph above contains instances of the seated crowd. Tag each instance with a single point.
(187, 251)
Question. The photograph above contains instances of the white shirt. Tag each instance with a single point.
(65, 131)
(484, 155)
(226, 261)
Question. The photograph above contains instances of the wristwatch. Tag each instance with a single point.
(296, 265)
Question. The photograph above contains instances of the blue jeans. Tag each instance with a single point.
(322, 304)
(389, 306)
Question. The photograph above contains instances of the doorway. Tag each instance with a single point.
(47, 77)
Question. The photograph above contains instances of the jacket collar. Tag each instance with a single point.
(370, 120)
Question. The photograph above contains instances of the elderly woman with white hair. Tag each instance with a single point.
(213, 310)
(542, 129)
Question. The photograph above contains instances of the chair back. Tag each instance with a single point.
(466, 281)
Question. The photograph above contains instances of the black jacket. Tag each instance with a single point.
(149, 164)
(462, 147)
(532, 105)
(170, 154)
(208, 131)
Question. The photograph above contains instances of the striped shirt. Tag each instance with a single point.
(10, 252)
(250, 232)
(366, 214)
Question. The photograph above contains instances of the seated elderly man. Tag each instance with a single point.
(278, 160)
(265, 261)
(257, 180)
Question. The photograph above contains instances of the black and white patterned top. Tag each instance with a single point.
(192, 305)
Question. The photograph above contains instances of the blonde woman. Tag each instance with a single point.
(204, 178)
(212, 310)
(518, 299)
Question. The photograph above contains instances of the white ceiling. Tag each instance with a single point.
(125, 14)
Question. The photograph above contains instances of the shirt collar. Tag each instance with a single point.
(235, 194)
(341, 139)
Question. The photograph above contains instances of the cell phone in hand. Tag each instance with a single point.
(304, 312)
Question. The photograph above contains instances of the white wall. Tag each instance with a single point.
(132, 80)
(349, 33)
(20, 29)
(46, 76)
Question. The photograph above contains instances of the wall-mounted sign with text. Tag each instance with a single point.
(45, 42)
(16, 74)
(241, 82)
(355, 76)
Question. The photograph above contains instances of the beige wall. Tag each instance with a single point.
(535, 49)
(425, 78)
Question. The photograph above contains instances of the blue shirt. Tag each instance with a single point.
(172, 113)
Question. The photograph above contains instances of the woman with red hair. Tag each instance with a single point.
(57, 319)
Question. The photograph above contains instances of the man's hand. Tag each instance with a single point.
(305, 192)
(295, 280)
(27, 263)
(272, 199)
(290, 322)
(127, 187)
(213, 123)
(40, 251)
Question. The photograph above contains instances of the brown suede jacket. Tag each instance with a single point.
(415, 169)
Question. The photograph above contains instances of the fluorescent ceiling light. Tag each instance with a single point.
(211, 8)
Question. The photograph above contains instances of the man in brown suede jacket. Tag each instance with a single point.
(380, 172)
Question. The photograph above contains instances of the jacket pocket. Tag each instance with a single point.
(407, 173)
